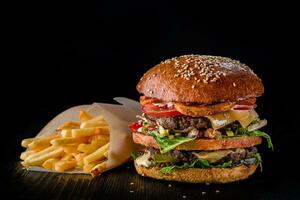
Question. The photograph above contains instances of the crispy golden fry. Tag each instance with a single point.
(106, 154)
(70, 148)
(50, 163)
(93, 123)
(99, 168)
(68, 156)
(84, 116)
(81, 144)
(64, 165)
(27, 141)
(96, 155)
(86, 148)
(68, 140)
(99, 140)
(46, 150)
(41, 142)
(69, 125)
(85, 132)
(79, 158)
(66, 133)
(25, 154)
(24, 164)
(37, 160)
(88, 167)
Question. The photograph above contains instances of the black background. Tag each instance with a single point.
(67, 53)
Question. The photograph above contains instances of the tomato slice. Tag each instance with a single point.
(243, 107)
(135, 126)
(159, 111)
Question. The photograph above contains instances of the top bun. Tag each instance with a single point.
(200, 79)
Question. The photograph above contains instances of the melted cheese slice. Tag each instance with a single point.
(244, 117)
(212, 156)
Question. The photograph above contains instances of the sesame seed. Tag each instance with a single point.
(169, 185)
(193, 86)
(217, 191)
(233, 84)
(204, 67)
(151, 92)
(131, 191)
(131, 183)
(207, 183)
(153, 75)
(203, 193)
(183, 196)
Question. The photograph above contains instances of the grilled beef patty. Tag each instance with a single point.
(181, 122)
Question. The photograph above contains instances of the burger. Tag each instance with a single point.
(198, 121)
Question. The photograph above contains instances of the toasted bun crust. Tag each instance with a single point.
(200, 79)
(203, 144)
(194, 175)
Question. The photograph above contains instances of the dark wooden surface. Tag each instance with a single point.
(124, 183)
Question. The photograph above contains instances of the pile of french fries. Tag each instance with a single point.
(79, 145)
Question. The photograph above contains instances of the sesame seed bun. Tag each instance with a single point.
(203, 144)
(200, 79)
(196, 175)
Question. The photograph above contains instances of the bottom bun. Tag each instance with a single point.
(196, 175)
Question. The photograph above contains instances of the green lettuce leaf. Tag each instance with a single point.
(264, 135)
(134, 155)
(165, 144)
(259, 161)
(225, 164)
(167, 170)
(242, 131)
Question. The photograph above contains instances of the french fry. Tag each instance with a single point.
(93, 123)
(41, 142)
(68, 156)
(106, 154)
(96, 155)
(27, 141)
(99, 140)
(82, 145)
(68, 140)
(66, 133)
(79, 158)
(86, 148)
(25, 154)
(70, 148)
(64, 165)
(46, 150)
(88, 167)
(99, 168)
(85, 132)
(50, 163)
(84, 116)
(38, 160)
(69, 125)
(24, 164)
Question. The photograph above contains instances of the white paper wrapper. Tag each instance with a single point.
(117, 116)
